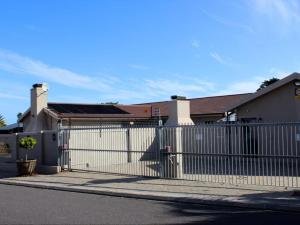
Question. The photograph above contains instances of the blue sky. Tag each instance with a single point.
(134, 51)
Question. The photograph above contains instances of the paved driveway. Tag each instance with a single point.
(24, 205)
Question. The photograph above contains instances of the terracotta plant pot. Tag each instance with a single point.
(26, 167)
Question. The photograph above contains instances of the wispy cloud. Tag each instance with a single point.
(220, 59)
(109, 88)
(11, 96)
(228, 22)
(15, 63)
(279, 73)
(250, 85)
(181, 87)
(138, 66)
(286, 11)
(148, 89)
(245, 86)
(195, 44)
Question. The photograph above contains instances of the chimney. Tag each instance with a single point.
(179, 111)
(39, 100)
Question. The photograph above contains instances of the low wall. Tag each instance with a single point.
(45, 151)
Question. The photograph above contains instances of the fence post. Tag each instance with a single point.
(158, 134)
(17, 146)
(43, 147)
(129, 158)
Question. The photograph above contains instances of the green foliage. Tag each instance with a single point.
(19, 115)
(27, 142)
(267, 83)
(2, 121)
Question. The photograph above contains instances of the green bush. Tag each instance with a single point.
(27, 142)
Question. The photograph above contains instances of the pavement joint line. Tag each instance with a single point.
(157, 197)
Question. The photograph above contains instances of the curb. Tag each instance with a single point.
(157, 197)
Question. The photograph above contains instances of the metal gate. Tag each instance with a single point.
(239, 153)
(122, 150)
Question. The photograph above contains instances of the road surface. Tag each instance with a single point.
(22, 205)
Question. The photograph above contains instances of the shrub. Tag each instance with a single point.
(28, 143)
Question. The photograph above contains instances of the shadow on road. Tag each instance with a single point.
(203, 214)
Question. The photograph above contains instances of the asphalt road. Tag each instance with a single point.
(22, 205)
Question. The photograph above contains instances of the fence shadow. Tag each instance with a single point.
(118, 180)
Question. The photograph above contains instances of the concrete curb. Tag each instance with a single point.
(158, 197)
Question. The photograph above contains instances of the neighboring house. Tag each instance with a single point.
(279, 101)
(48, 116)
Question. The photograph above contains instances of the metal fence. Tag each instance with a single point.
(248, 153)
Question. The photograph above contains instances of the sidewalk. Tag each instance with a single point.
(262, 197)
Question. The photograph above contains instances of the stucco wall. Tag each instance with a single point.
(278, 105)
(45, 151)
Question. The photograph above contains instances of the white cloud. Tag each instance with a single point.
(284, 10)
(16, 63)
(195, 44)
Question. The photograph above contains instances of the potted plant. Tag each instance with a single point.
(27, 166)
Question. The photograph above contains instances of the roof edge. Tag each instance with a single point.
(266, 90)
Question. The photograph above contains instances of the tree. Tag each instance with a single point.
(19, 115)
(2, 121)
(267, 83)
(27, 143)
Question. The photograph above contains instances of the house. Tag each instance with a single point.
(44, 115)
(279, 101)
(203, 110)
(50, 116)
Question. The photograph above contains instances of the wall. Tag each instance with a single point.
(45, 151)
(9, 139)
(278, 105)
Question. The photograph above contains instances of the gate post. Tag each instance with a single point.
(179, 114)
